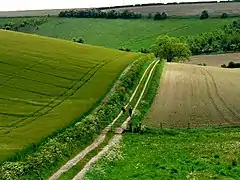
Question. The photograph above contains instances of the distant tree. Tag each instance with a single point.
(224, 15)
(144, 50)
(223, 66)
(164, 15)
(170, 48)
(149, 16)
(160, 16)
(78, 40)
(204, 15)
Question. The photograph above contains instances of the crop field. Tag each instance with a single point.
(196, 96)
(215, 60)
(46, 83)
(172, 154)
(121, 33)
(172, 10)
(189, 9)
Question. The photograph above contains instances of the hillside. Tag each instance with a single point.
(196, 96)
(119, 33)
(188, 9)
(47, 83)
(171, 9)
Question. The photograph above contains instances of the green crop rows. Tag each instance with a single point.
(133, 34)
(45, 84)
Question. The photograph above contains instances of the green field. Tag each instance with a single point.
(172, 154)
(46, 83)
(133, 34)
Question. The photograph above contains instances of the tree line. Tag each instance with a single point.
(16, 26)
(225, 39)
(96, 13)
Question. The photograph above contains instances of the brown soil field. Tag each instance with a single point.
(172, 10)
(215, 60)
(188, 9)
(200, 96)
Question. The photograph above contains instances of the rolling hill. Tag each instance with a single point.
(196, 96)
(46, 83)
(171, 9)
(119, 33)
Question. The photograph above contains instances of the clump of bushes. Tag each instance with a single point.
(160, 16)
(29, 22)
(125, 49)
(78, 40)
(97, 13)
(54, 150)
(144, 50)
(225, 39)
(204, 15)
(231, 65)
(224, 15)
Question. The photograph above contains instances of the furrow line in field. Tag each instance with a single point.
(37, 81)
(57, 101)
(219, 96)
(211, 97)
(98, 140)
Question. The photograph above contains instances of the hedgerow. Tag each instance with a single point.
(52, 153)
(148, 98)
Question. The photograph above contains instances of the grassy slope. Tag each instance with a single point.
(133, 34)
(47, 83)
(174, 154)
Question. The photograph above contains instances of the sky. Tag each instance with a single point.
(14, 5)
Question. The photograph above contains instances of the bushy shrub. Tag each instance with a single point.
(223, 66)
(160, 16)
(204, 15)
(144, 50)
(231, 64)
(78, 40)
(224, 15)
(125, 49)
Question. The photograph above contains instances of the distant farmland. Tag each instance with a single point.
(172, 10)
(215, 60)
(188, 9)
(120, 33)
(46, 83)
(200, 96)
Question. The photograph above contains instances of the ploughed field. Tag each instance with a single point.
(188, 9)
(196, 96)
(45, 84)
(215, 60)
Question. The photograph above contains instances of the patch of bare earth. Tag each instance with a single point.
(215, 60)
(200, 96)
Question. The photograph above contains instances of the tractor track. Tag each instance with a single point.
(99, 139)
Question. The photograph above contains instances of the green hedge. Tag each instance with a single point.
(55, 151)
(148, 98)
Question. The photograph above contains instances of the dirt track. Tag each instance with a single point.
(201, 96)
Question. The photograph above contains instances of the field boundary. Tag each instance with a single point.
(98, 140)
(116, 138)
